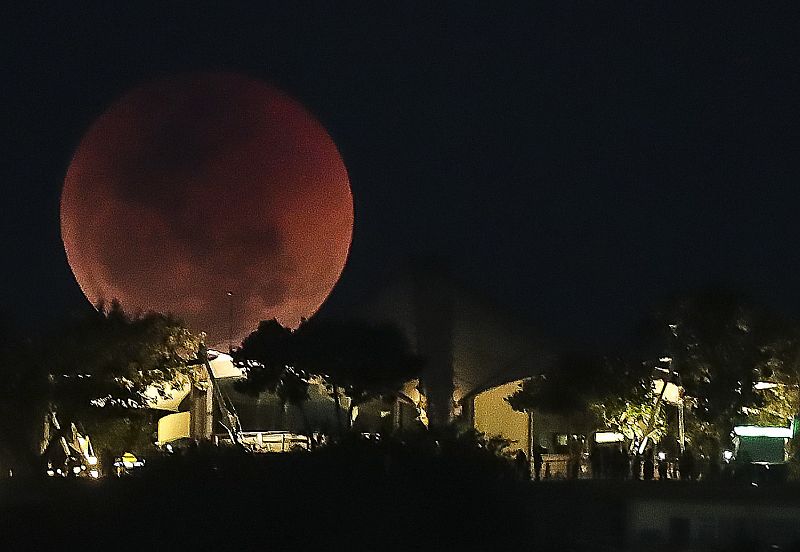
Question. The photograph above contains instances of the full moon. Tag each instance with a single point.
(211, 196)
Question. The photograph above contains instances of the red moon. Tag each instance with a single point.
(194, 186)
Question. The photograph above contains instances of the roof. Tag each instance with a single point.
(222, 365)
(453, 326)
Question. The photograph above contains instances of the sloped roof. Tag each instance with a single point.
(222, 365)
(453, 326)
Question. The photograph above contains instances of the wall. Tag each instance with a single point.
(710, 524)
(493, 415)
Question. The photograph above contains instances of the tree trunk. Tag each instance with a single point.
(794, 446)
(307, 425)
(350, 415)
(338, 409)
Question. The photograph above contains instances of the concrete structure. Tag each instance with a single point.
(747, 522)
(468, 344)
(192, 401)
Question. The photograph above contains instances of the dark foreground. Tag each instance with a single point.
(295, 503)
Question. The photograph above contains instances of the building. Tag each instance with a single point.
(209, 405)
(476, 354)
(559, 439)
(468, 343)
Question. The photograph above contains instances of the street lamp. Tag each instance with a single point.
(671, 392)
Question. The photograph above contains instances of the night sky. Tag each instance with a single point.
(577, 162)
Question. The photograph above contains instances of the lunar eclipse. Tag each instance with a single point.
(193, 187)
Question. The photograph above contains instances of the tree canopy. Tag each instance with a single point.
(616, 390)
(363, 359)
(720, 344)
(265, 354)
(111, 359)
(23, 401)
(360, 359)
(96, 370)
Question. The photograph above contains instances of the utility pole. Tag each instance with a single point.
(657, 409)
(681, 430)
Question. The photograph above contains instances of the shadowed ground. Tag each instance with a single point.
(336, 501)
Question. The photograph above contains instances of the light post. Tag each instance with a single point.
(667, 376)
(652, 423)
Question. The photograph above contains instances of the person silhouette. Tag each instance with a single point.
(649, 464)
(686, 465)
(537, 463)
(522, 465)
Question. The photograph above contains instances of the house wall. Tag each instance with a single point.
(493, 416)
(174, 426)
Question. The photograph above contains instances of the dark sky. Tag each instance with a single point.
(576, 161)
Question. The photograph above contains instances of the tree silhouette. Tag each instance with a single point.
(720, 344)
(101, 366)
(355, 358)
(268, 355)
(23, 403)
(265, 354)
(576, 381)
(615, 390)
